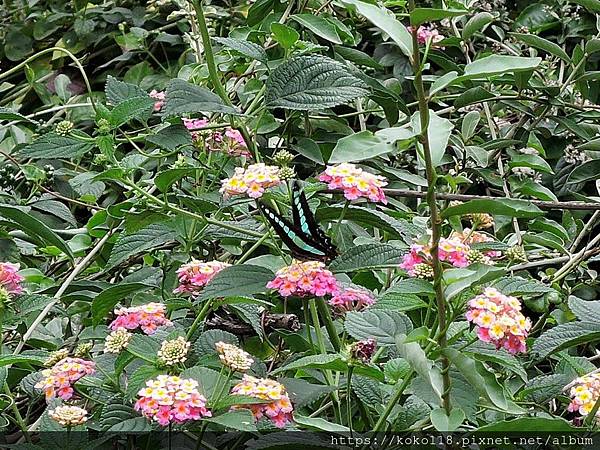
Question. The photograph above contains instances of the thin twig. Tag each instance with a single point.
(583, 206)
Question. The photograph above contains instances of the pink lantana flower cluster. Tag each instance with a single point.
(451, 250)
(304, 278)
(499, 320)
(170, 399)
(10, 278)
(427, 33)
(471, 237)
(584, 393)
(147, 317)
(194, 275)
(230, 141)
(355, 182)
(59, 379)
(351, 299)
(278, 407)
(159, 96)
(251, 181)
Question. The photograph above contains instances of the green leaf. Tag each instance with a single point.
(476, 24)
(585, 310)
(384, 19)
(165, 179)
(183, 97)
(469, 124)
(284, 35)
(359, 146)
(532, 189)
(6, 360)
(319, 26)
(497, 65)
(238, 280)
(418, 361)
(443, 422)
(367, 256)
(139, 108)
(246, 48)
(531, 424)
(442, 82)
(413, 286)
(500, 206)
(316, 423)
(457, 280)
(54, 146)
(309, 149)
(589, 170)
(590, 5)
(419, 16)
(137, 380)
(144, 347)
(310, 83)
(239, 419)
(208, 380)
(542, 44)
(439, 132)
(483, 381)
(533, 161)
(303, 393)
(131, 425)
(119, 91)
(519, 287)
(105, 301)
(205, 345)
(564, 336)
(397, 301)
(171, 137)
(330, 362)
(141, 241)
(383, 326)
(35, 228)
(8, 114)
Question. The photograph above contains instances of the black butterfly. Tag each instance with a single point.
(304, 237)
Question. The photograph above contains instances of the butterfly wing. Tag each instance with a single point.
(305, 221)
(300, 243)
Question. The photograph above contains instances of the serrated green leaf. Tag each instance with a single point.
(54, 146)
(104, 302)
(585, 310)
(171, 137)
(139, 108)
(128, 245)
(564, 336)
(237, 280)
(383, 326)
(119, 91)
(205, 345)
(311, 83)
(183, 97)
(518, 286)
(246, 48)
(367, 256)
(397, 301)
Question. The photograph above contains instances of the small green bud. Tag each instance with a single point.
(64, 127)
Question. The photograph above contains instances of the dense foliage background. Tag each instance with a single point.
(465, 291)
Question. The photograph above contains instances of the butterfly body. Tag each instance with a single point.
(305, 239)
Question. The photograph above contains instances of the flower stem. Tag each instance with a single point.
(436, 221)
(214, 76)
(325, 314)
(349, 398)
(380, 425)
(199, 319)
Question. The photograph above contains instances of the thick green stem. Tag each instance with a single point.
(325, 314)
(199, 319)
(349, 398)
(436, 221)
(381, 422)
(214, 76)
